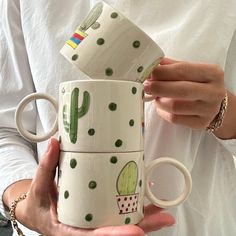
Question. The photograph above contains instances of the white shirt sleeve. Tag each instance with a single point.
(17, 158)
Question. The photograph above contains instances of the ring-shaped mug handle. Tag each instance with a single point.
(19, 112)
(187, 177)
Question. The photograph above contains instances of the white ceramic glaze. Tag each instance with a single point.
(108, 45)
(95, 116)
(103, 189)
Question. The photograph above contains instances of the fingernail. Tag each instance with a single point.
(147, 88)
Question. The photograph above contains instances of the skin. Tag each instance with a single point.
(38, 210)
(190, 94)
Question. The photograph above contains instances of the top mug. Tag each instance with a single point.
(108, 45)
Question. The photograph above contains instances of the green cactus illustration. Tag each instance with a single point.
(75, 113)
(127, 179)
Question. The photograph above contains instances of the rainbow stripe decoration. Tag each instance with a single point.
(76, 39)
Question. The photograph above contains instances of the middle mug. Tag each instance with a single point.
(94, 116)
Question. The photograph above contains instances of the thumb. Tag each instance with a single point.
(44, 179)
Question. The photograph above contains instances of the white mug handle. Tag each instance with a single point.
(19, 112)
(182, 169)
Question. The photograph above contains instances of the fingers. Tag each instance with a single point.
(155, 219)
(183, 107)
(195, 122)
(127, 230)
(176, 89)
(170, 70)
(44, 179)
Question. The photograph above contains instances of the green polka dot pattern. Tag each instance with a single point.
(75, 57)
(114, 15)
(118, 143)
(136, 44)
(73, 163)
(89, 217)
(109, 72)
(112, 106)
(91, 132)
(92, 184)
(140, 69)
(113, 160)
(66, 194)
(100, 41)
(127, 220)
(131, 122)
(134, 90)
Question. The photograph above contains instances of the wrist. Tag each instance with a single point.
(16, 190)
(228, 127)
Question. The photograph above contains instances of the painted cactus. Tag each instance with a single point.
(128, 178)
(76, 112)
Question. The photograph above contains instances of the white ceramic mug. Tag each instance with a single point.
(94, 116)
(108, 45)
(103, 189)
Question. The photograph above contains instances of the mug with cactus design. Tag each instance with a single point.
(94, 116)
(107, 45)
(104, 189)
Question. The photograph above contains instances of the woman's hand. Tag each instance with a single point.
(38, 210)
(187, 93)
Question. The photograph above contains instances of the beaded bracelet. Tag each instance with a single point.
(13, 215)
(217, 122)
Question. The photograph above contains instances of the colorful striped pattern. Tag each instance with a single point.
(76, 39)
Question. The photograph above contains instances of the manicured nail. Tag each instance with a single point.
(147, 88)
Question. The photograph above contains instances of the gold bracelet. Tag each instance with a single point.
(13, 215)
(218, 120)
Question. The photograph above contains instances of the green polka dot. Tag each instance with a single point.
(66, 194)
(109, 72)
(91, 132)
(140, 183)
(136, 44)
(112, 106)
(113, 160)
(88, 217)
(75, 57)
(73, 163)
(100, 41)
(118, 143)
(92, 184)
(114, 15)
(131, 122)
(134, 90)
(96, 25)
(127, 220)
(140, 69)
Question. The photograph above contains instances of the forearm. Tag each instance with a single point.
(228, 128)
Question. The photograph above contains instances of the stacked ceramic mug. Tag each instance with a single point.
(102, 176)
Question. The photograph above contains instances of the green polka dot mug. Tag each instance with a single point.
(107, 45)
(104, 189)
(94, 116)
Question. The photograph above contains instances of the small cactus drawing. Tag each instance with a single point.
(128, 178)
(126, 184)
(76, 113)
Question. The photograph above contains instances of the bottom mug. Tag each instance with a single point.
(104, 189)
